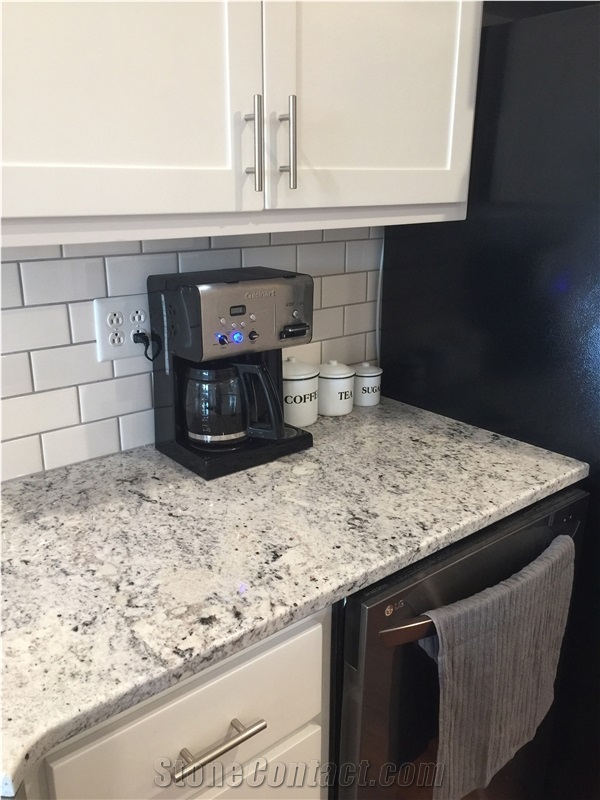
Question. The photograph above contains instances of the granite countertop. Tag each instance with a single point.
(125, 574)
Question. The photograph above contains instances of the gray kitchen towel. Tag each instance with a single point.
(497, 655)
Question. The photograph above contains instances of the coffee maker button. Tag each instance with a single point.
(222, 339)
(253, 335)
(222, 320)
(253, 317)
(295, 314)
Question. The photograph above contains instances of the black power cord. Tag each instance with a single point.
(142, 338)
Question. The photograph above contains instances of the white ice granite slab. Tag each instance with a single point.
(124, 574)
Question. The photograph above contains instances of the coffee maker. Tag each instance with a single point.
(217, 338)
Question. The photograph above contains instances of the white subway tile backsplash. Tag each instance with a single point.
(127, 274)
(131, 366)
(71, 445)
(21, 457)
(72, 407)
(296, 237)
(31, 252)
(175, 245)
(68, 366)
(359, 318)
(345, 234)
(81, 316)
(210, 259)
(33, 328)
(326, 258)
(137, 429)
(101, 249)
(328, 322)
(372, 284)
(10, 288)
(317, 289)
(275, 257)
(347, 350)
(309, 353)
(115, 397)
(61, 281)
(242, 240)
(338, 290)
(363, 255)
(16, 375)
(43, 411)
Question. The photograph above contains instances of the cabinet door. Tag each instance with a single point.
(385, 99)
(129, 108)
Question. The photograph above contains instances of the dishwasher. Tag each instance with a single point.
(385, 687)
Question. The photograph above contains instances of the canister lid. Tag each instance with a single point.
(294, 370)
(367, 370)
(333, 369)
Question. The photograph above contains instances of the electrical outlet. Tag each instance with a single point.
(116, 320)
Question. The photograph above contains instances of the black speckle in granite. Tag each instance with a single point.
(143, 496)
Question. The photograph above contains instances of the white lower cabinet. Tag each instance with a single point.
(283, 681)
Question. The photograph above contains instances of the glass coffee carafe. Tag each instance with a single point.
(222, 401)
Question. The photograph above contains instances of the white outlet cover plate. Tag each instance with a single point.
(122, 316)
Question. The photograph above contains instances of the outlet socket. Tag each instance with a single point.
(116, 319)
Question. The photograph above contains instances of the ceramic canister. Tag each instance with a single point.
(300, 392)
(336, 386)
(367, 384)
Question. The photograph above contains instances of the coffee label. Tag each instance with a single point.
(300, 398)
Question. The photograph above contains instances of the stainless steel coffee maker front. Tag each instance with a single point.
(218, 338)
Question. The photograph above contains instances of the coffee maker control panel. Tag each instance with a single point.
(245, 317)
(202, 316)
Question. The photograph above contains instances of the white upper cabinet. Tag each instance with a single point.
(134, 109)
(384, 101)
(129, 108)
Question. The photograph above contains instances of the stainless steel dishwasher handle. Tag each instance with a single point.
(291, 117)
(193, 763)
(411, 630)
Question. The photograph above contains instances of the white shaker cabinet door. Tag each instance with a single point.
(129, 107)
(385, 96)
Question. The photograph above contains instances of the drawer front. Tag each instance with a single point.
(281, 684)
(288, 771)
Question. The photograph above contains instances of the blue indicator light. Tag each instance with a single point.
(238, 337)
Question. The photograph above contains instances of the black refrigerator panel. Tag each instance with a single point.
(496, 320)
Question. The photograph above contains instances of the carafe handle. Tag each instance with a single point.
(275, 411)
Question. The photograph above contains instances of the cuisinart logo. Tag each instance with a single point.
(261, 293)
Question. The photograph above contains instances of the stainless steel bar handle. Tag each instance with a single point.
(193, 763)
(258, 169)
(411, 630)
(293, 142)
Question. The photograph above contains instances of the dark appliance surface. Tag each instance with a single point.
(495, 320)
(390, 695)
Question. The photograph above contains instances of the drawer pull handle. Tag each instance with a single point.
(193, 763)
